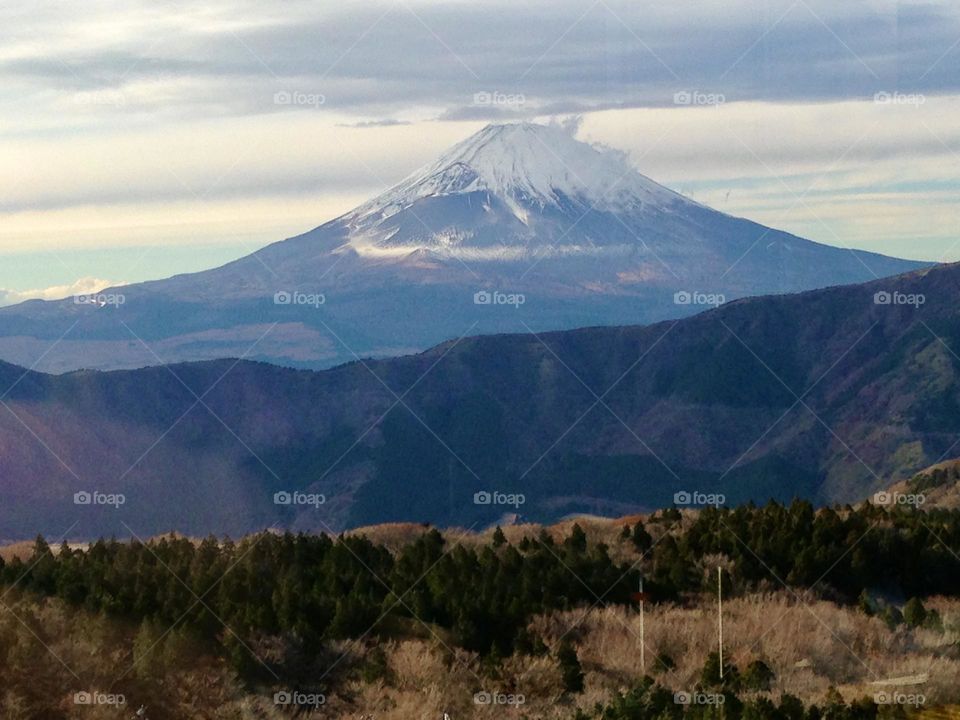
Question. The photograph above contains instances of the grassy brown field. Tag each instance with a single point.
(51, 652)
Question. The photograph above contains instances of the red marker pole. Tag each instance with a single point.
(641, 598)
(643, 644)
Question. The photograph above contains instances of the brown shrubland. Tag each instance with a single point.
(810, 644)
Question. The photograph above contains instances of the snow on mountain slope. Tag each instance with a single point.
(526, 169)
(523, 209)
(531, 164)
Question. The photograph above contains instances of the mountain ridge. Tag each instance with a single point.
(704, 404)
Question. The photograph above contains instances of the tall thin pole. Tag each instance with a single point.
(643, 643)
(720, 615)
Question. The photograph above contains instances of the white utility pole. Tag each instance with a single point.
(720, 615)
(643, 642)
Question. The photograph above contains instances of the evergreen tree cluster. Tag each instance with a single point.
(901, 550)
(313, 587)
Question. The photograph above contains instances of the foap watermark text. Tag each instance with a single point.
(698, 698)
(484, 497)
(100, 299)
(498, 698)
(295, 297)
(895, 297)
(298, 98)
(899, 698)
(885, 97)
(297, 698)
(697, 97)
(96, 497)
(695, 497)
(98, 698)
(892, 498)
(495, 297)
(498, 99)
(295, 497)
(695, 297)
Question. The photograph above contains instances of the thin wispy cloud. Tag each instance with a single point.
(83, 286)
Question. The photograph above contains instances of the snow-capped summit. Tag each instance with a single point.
(519, 227)
(529, 166)
(505, 194)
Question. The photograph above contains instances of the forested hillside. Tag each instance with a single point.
(273, 608)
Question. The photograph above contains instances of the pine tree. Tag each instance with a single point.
(758, 676)
(577, 542)
(641, 538)
(892, 616)
(914, 613)
(570, 668)
(710, 675)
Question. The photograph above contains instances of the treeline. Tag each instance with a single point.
(901, 550)
(313, 588)
(935, 478)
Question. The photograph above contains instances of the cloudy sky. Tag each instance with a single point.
(142, 139)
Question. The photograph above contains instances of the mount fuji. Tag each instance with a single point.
(520, 227)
